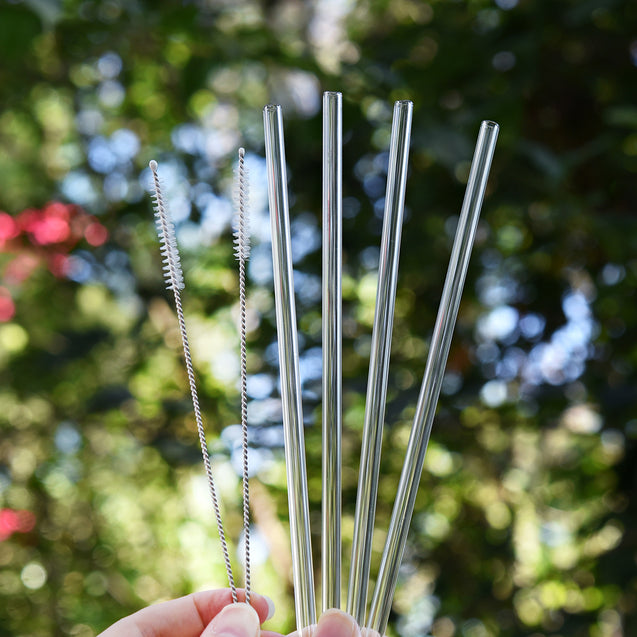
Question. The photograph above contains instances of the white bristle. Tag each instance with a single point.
(166, 232)
(241, 232)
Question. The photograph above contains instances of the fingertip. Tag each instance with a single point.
(336, 623)
(263, 605)
(235, 620)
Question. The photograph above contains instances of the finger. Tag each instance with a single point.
(188, 615)
(336, 623)
(236, 620)
(213, 605)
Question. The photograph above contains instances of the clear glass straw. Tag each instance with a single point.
(432, 379)
(379, 361)
(332, 349)
(289, 369)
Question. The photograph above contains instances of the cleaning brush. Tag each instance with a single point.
(242, 252)
(175, 282)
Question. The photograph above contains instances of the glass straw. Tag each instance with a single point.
(332, 349)
(289, 369)
(379, 361)
(432, 379)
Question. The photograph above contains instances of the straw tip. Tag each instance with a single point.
(152, 164)
(487, 123)
(271, 108)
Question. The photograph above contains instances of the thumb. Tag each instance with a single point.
(235, 620)
(336, 623)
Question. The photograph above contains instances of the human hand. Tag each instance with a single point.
(205, 614)
(213, 614)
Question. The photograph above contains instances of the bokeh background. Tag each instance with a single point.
(525, 523)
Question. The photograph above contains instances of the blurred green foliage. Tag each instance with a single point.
(525, 521)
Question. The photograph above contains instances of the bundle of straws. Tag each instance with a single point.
(303, 573)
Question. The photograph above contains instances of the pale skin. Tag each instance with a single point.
(213, 614)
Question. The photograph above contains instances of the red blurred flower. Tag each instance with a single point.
(49, 225)
(26, 521)
(15, 521)
(52, 232)
(8, 523)
(95, 234)
(20, 268)
(7, 306)
(59, 265)
(8, 228)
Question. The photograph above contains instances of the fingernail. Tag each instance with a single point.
(269, 602)
(235, 620)
(270, 607)
(336, 623)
